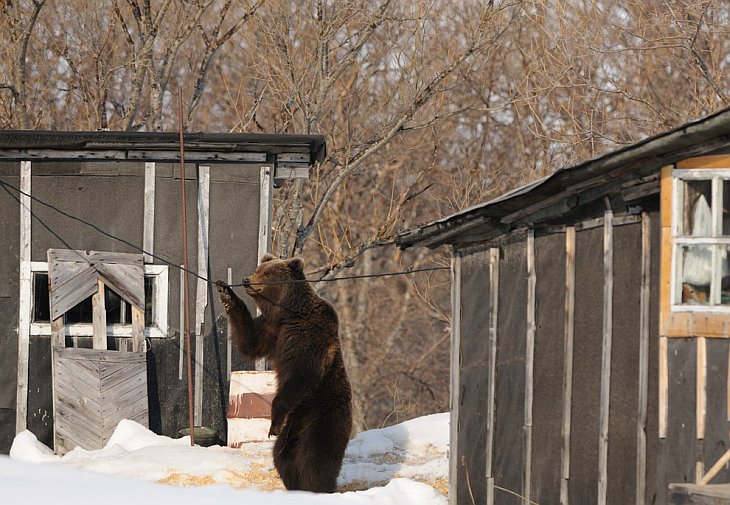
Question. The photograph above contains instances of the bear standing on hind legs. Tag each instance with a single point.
(297, 331)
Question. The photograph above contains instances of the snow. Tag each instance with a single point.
(398, 465)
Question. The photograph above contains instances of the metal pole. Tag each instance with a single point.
(185, 271)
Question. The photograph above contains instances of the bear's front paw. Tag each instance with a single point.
(225, 294)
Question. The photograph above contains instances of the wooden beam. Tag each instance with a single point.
(701, 387)
(663, 399)
(454, 376)
(529, 369)
(644, 337)
(24, 300)
(266, 182)
(201, 298)
(229, 346)
(98, 305)
(491, 389)
(567, 362)
(148, 234)
(606, 358)
(137, 329)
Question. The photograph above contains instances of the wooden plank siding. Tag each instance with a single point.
(94, 390)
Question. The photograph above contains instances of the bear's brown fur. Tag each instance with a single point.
(298, 332)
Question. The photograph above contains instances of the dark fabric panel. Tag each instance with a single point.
(584, 426)
(103, 213)
(652, 416)
(7, 429)
(678, 451)
(510, 392)
(624, 397)
(548, 372)
(8, 352)
(40, 390)
(473, 377)
(716, 423)
(10, 245)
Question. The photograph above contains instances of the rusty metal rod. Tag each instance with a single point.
(185, 266)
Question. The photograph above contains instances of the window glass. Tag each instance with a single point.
(697, 208)
(41, 303)
(696, 272)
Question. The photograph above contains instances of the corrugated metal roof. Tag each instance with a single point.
(528, 204)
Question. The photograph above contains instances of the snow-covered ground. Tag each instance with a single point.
(405, 464)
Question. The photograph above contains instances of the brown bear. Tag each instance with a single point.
(311, 414)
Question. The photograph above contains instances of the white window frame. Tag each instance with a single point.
(716, 176)
(157, 328)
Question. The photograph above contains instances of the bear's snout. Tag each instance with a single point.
(246, 282)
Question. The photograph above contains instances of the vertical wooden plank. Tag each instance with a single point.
(701, 386)
(663, 399)
(529, 369)
(717, 206)
(201, 299)
(148, 233)
(666, 250)
(644, 335)
(24, 301)
(58, 333)
(454, 374)
(568, 360)
(264, 246)
(137, 329)
(181, 359)
(606, 356)
(99, 316)
(229, 347)
(491, 395)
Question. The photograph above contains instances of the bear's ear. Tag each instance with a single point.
(296, 265)
(267, 257)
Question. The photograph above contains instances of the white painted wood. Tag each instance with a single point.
(663, 387)
(606, 358)
(529, 368)
(99, 316)
(644, 336)
(148, 234)
(454, 375)
(229, 347)
(266, 182)
(567, 362)
(492, 372)
(716, 282)
(201, 298)
(693, 174)
(181, 323)
(701, 387)
(24, 298)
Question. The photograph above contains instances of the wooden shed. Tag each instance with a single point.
(119, 193)
(590, 324)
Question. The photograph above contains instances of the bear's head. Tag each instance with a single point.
(271, 281)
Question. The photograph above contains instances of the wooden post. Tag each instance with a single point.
(701, 387)
(644, 336)
(606, 357)
(201, 298)
(491, 389)
(567, 361)
(663, 387)
(529, 365)
(264, 246)
(24, 300)
(182, 319)
(99, 316)
(454, 376)
(229, 347)
(148, 234)
(137, 329)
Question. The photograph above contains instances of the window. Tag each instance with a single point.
(118, 312)
(696, 242)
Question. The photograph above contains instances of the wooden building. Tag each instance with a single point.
(591, 315)
(118, 192)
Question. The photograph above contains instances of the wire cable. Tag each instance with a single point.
(167, 262)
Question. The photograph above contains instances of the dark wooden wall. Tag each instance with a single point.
(110, 196)
(666, 460)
